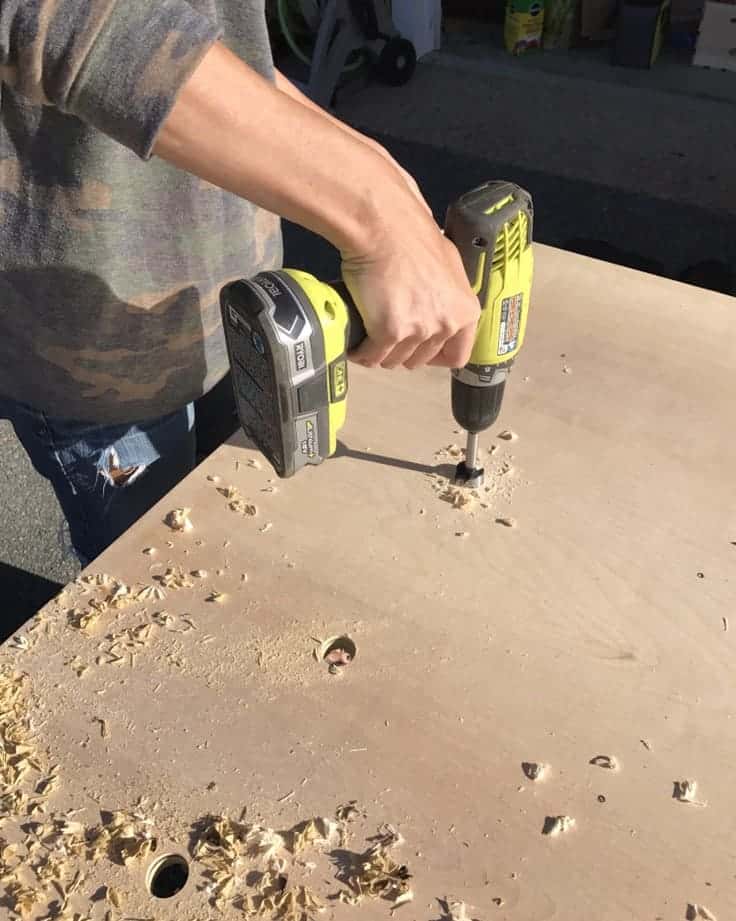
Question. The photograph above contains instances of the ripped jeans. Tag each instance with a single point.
(105, 476)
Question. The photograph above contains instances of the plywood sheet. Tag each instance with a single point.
(598, 626)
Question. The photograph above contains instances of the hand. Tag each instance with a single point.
(412, 291)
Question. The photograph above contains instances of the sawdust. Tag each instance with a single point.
(178, 519)
(507, 522)
(605, 761)
(149, 551)
(534, 770)
(253, 867)
(451, 451)
(175, 578)
(457, 910)
(217, 597)
(45, 866)
(695, 911)
(508, 435)
(685, 790)
(151, 593)
(555, 825)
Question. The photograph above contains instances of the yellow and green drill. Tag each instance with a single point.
(289, 335)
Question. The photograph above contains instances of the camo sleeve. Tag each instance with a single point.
(115, 64)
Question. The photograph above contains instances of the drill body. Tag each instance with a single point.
(289, 334)
(492, 229)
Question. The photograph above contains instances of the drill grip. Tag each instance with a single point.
(356, 328)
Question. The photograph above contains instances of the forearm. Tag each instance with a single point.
(265, 146)
(286, 86)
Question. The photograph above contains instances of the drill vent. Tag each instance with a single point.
(511, 241)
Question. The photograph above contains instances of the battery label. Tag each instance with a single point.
(508, 333)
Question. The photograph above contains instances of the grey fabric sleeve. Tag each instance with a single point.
(115, 64)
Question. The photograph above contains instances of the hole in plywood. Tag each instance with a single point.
(337, 652)
(167, 876)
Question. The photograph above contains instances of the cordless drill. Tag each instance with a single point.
(288, 336)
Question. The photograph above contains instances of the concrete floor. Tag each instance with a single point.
(635, 167)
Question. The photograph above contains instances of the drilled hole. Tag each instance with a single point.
(337, 652)
(167, 876)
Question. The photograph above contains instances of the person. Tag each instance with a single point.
(147, 152)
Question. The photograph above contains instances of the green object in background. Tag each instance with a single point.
(524, 25)
(560, 23)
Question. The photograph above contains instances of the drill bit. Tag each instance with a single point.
(467, 472)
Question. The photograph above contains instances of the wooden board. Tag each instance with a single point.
(597, 626)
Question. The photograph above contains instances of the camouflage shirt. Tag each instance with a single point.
(111, 261)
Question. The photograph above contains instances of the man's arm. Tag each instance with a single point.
(286, 86)
(235, 129)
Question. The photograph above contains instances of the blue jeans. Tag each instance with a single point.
(105, 476)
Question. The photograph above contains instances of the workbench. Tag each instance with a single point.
(558, 648)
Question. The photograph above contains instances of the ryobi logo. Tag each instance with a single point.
(300, 356)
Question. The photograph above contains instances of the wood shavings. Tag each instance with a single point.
(178, 519)
(255, 464)
(199, 573)
(243, 508)
(452, 451)
(508, 435)
(114, 897)
(378, 875)
(21, 643)
(348, 812)
(684, 791)
(457, 910)
(151, 593)
(77, 666)
(555, 825)
(128, 836)
(534, 770)
(175, 578)
(646, 744)
(104, 731)
(462, 534)
(120, 596)
(217, 597)
(507, 522)
(724, 621)
(695, 911)
(266, 527)
(458, 496)
(149, 551)
(605, 761)
(229, 492)
(213, 478)
(402, 899)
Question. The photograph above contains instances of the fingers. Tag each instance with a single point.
(455, 352)
(415, 351)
